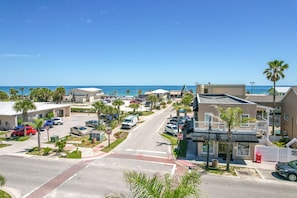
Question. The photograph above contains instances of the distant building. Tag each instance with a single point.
(162, 94)
(9, 117)
(237, 90)
(82, 95)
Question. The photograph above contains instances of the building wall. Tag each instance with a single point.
(289, 115)
(234, 90)
(7, 122)
(250, 109)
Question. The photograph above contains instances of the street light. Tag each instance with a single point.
(208, 136)
(252, 88)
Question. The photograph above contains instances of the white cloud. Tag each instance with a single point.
(87, 21)
(20, 55)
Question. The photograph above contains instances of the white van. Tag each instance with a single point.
(129, 122)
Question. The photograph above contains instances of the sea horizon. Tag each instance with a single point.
(121, 90)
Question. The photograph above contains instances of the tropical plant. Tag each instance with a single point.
(134, 106)
(58, 95)
(99, 107)
(41, 94)
(22, 90)
(2, 180)
(118, 103)
(24, 106)
(187, 98)
(13, 93)
(3, 96)
(275, 72)
(128, 91)
(153, 99)
(139, 92)
(232, 117)
(61, 145)
(163, 186)
(38, 124)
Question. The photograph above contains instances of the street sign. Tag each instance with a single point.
(108, 131)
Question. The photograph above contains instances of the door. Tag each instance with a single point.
(222, 152)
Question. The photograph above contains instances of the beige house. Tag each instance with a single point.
(82, 95)
(9, 117)
(234, 90)
(208, 124)
(289, 113)
(161, 94)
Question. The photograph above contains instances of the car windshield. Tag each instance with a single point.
(293, 164)
(127, 120)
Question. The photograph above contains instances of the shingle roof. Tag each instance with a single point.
(263, 98)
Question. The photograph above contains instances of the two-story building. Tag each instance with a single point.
(208, 126)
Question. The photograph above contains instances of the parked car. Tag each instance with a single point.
(287, 169)
(92, 123)
(171, 129)
(47, 123)
(20, 131)
(80, 130)
(58, 121)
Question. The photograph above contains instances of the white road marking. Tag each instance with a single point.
(144, 151)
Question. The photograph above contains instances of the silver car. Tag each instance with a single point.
(80, 130)
(171, 129)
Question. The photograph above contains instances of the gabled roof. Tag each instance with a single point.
(292, 89)
(160, 91)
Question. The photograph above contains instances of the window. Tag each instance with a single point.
(205, 90)
(245, 120)
(286, 117)
(204, 147)
(243, 149)
(0, 122)
(208, 117)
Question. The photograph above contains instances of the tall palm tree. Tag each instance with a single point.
(13, 93)
(24, 106)
(22, 90)
(38, 124)
(134, 106)
(99, 107)
(139, 92)
(163, 186)
(118, 103)
(275, 72)
(153, 99)
(232, 117)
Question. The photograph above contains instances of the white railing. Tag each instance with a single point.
(275, 154)
(201, 126)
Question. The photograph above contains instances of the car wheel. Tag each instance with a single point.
(292, 177)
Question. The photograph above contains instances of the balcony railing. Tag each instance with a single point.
(221, 127)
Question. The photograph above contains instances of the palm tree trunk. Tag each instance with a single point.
(228, 151)
(273, 105)
(38, 131)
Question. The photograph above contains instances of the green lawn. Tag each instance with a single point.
(4, 194)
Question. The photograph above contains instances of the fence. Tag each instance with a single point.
(275, 154)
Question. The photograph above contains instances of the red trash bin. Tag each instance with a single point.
(258, 157)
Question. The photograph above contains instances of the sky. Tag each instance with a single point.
(145, 42)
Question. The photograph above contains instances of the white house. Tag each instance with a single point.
(82, 95)
(9, 117)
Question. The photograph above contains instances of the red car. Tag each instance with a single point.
(20, 132)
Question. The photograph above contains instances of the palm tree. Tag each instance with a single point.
(232, 117)
(118, 103)
(38, 124)
(275, 72)
(134, 106)
(58, 95)
(128, 91)
(2, 180)
(139, 92)
(165, 186)
(13, 93)
(22, 90)
(153, 99)
(24, 106)
(3, 96)
(99, 107)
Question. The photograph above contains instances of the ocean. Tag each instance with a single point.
(133, 89)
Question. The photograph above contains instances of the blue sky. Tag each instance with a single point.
(145, 42)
